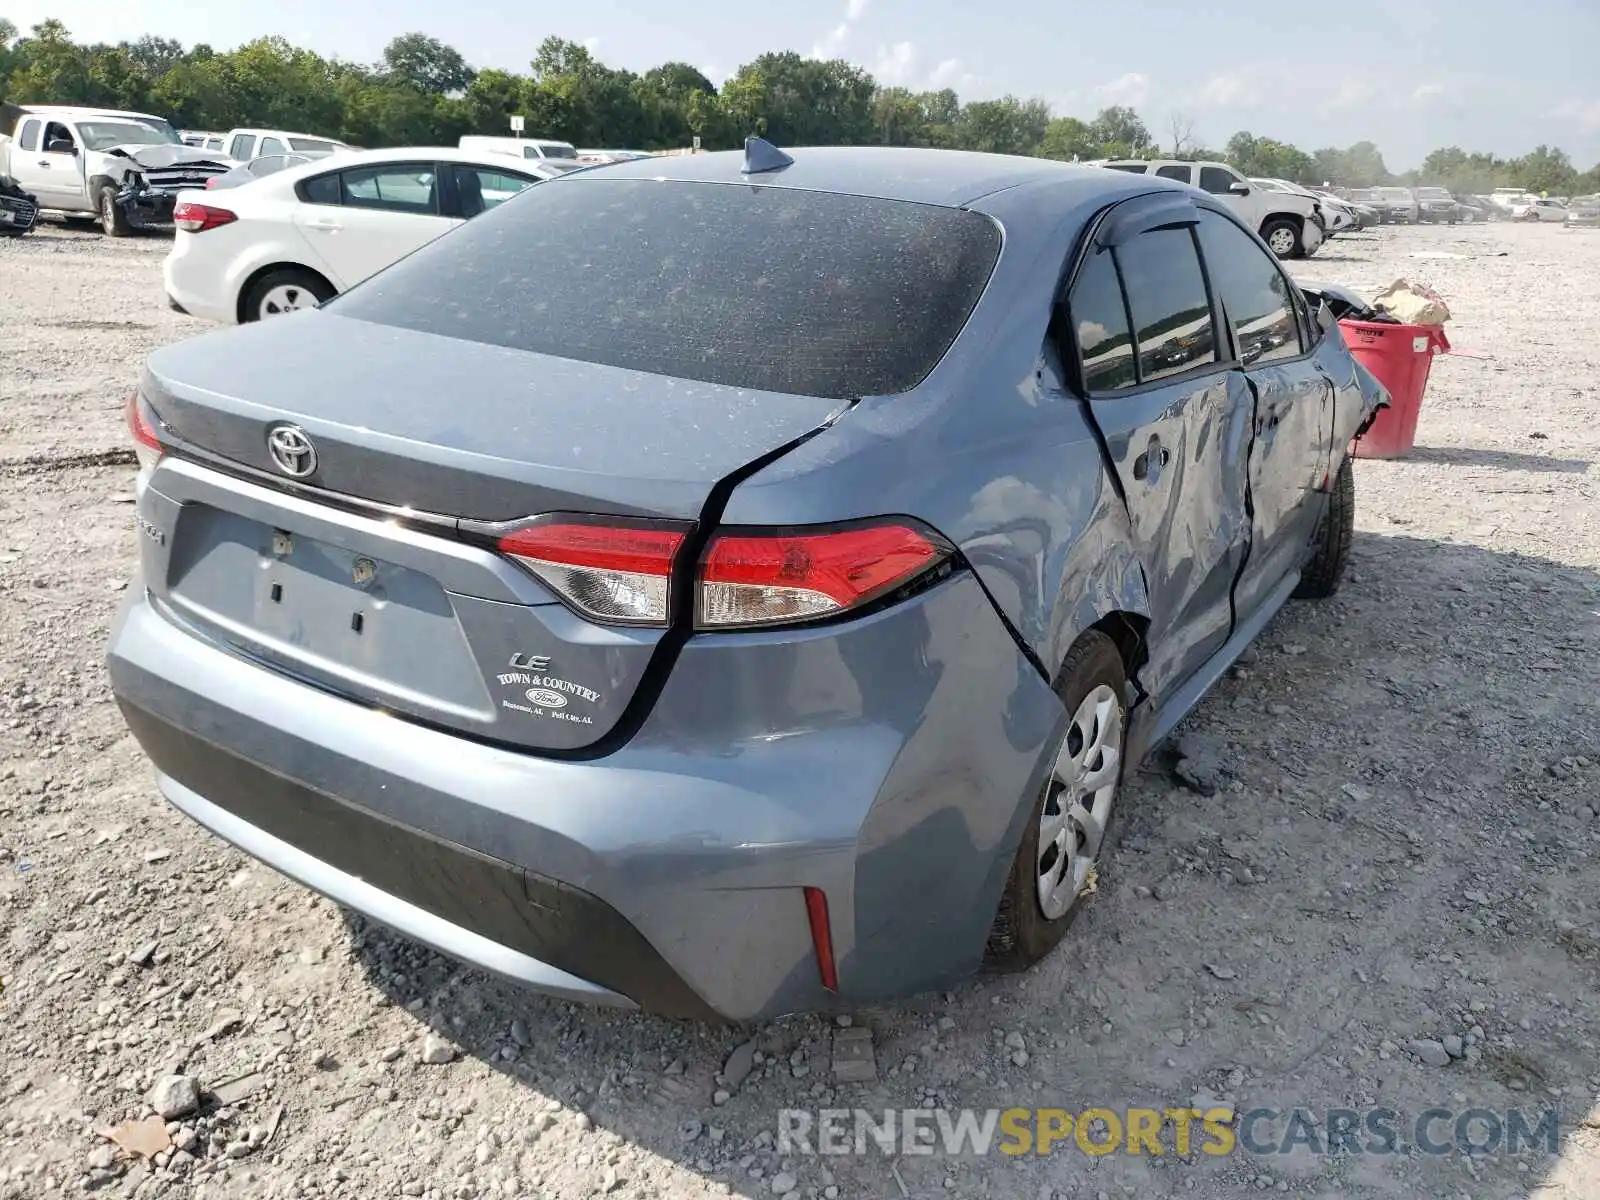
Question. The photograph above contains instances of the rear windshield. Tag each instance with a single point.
(317, 145)
(813, 293)
(549, 150)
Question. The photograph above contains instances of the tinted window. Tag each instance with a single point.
(321, 189)
(214, 143)
(1253, 291)
(761, 287)
(393, 187)
(271, 145)
(54, 131)
(1167, 295)
(314, 145)
(1216, 181)
(1100, 325)
(241, 146)
(29, 140)
(1181, 174)
(481, 189)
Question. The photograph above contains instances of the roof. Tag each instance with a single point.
(70, 110)
(949, 177)
(320, 137)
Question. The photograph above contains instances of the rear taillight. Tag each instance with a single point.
(621, 573)
(615, 573)
(146, 442)
(778, 578)
(197, 218)
(212, 182)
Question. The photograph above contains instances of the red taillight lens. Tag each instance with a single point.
(614, 573)
(197, 218)
(146, 442)
(769, 579)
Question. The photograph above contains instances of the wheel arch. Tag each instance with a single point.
(259, 273)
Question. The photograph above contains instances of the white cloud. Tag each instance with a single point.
(947, 74)
(1585, 114)
(1234, 89)
(1132, 89)
(896, 65)
(1427, 91)
(830, 46)
(854, 9)
(592, 45)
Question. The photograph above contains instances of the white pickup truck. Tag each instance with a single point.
(1293, 226)
(124, 169)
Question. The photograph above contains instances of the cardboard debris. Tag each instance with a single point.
(146, 1138)
(1412, 304)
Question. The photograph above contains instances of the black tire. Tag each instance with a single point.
(113, 222)
(1021, 934)
(283, 277)
(1330, 549)
(1297, 248)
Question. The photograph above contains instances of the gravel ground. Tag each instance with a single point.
(1388, 898)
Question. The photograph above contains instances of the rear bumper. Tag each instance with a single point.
(194, 286)
(890, 762)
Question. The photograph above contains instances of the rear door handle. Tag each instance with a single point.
(43, 163)
(326, 224)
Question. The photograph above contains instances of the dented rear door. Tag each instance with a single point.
(1174, 422)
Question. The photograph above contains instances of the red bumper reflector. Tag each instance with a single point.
(822, 936)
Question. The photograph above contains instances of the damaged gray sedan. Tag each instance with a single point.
(765, 624)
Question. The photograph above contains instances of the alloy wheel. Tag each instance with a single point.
(1077, 808)
(286, 297)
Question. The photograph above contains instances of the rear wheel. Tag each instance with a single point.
(1330, 549)
(285, 290)
(1282, 237)
(1070, 825)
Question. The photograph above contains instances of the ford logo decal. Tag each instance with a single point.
(545, 698)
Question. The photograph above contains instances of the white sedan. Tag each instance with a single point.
(305, 234)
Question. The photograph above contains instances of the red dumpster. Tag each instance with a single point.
(1400, 356)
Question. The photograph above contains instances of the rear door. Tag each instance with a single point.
(1174, 420)
(56, 178)
(376, 215)
(1292, 421)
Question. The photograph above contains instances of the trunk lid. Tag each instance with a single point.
(407, 615)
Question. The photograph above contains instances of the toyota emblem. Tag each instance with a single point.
(291, 450)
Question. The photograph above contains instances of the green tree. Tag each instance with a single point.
(426, 64)
(1546, 170)
(1003, 126)
(1068, 138)
(1119, 132)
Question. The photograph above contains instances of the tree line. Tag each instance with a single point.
(423, 92)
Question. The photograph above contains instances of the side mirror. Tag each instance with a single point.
(62, 146)
(1239, 189)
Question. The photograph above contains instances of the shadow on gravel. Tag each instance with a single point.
(1505, 460)
(1414, 768)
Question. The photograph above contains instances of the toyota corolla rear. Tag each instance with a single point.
(438, 615)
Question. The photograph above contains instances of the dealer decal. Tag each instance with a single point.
(547, 696)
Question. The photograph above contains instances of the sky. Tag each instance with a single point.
(1412, 76)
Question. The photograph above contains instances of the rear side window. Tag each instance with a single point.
(30, 136)
(271, 145)
(778, 289)
(392, 187)
(1253, 291)
(241, 147)
(1167, 297)
(1216, 181)
(1100, 325)
(1181, 174)
(322, 189)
